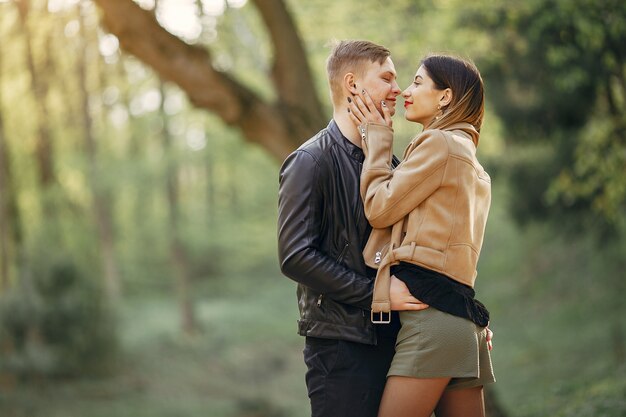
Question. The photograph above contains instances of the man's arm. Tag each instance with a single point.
(300, 204)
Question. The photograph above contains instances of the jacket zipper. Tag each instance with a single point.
(339, 258)
(379, 255)
(343, 252)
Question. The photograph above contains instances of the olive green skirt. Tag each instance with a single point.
(434, 344)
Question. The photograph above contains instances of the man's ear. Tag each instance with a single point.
(349, 83)
(446, 97)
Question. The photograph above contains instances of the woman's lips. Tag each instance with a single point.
(407, 104)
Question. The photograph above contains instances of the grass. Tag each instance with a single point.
(555, 305)
(246, 359)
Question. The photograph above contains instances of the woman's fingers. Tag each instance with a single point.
(354, 117)
(367, 106)
(368, 101)
(365, 111)
(369, 109)
(355, 112)
(386, 113)
(362, 110)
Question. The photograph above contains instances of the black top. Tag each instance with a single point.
(442, 293)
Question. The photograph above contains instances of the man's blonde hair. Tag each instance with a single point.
(351, 56)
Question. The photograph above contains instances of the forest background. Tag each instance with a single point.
(140, 144)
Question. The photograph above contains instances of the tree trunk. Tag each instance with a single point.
(39, 86)
(178, 255)
(141, 193)
(7, 200)
(278, 127)
(101, 199)
(10, 219)
(211, 182)
(10, 241)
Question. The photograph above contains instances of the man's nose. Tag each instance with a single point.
(395, 88)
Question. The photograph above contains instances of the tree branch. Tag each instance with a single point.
(276, 127)
(291, 73)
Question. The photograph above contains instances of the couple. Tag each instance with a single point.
(384, 251)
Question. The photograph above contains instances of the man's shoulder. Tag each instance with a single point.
(318, 146)
(318, 143)
(310, 155)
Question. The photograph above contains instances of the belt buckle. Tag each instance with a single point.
(379, 317)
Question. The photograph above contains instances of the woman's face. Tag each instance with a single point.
(421, 98)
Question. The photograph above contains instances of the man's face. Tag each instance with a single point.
(380, 82)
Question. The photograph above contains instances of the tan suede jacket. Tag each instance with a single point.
(431, 210)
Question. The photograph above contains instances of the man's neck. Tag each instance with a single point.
(346, 126)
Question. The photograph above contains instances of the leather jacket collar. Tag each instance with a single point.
(350, 148)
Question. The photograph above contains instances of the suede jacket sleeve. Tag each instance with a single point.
(390, 194)
(300, 213)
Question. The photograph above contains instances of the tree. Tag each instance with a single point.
(39, 87)
(178, 254)
(9, 223)
(557, 77)
(101, 204)
(278, 126)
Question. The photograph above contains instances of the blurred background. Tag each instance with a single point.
(140, 144)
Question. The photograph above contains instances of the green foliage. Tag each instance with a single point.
(596, 176)
(246, 361)
(556, 308)
(56, 324)
(556, 75)
(552, 352)
(603, 398)
(553, 138)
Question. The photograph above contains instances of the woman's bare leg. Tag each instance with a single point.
(411, 397)
(467, 402)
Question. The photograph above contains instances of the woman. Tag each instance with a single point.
(429, 217)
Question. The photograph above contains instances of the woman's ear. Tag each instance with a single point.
(446, 97)
(349, 83)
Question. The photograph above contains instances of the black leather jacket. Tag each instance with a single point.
(322, 231)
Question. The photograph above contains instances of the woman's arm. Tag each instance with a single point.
(389, 195)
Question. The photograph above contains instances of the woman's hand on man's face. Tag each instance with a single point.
(363, 110)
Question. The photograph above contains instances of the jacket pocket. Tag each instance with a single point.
(340, 257)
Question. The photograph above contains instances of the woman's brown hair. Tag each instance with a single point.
(468, 96)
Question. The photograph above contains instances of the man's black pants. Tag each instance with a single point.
(346, 379)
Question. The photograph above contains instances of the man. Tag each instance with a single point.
(322, 231)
